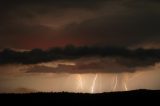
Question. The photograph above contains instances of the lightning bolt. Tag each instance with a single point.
(93, 84)
(115, 82)
(80, 82)
(125, 86)
(127, 79)
(100, 82)
(124, 82)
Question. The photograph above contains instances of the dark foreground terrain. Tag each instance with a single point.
(129, 97)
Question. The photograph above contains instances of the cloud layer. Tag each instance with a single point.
(43, 24)
(83, 65)
(82, 59)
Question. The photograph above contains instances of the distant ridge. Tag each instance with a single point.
(132, 92)
(133, 97)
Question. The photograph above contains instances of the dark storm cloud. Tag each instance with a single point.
(26, 7)
(30, 19)
(85, 66)
(134, 25)
(85, 59)
(55, 3)
(92, 65)
(126, 23)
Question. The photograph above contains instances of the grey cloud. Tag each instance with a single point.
(93, 65)
(105, 66)
(132, 27)
(137, 57)
(136, 22)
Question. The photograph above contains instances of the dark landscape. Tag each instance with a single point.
(134, 97)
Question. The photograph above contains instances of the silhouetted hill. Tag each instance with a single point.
(133, 97)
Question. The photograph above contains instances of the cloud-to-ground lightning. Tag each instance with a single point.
(93, 84)
(122, 85)
(100, 82)
(128, 79)
(125, 86)
(80, 82)
(115, 83)
(124, 82)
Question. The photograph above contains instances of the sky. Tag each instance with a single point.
(43, 24)
(79, 46)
